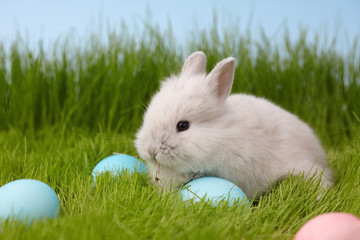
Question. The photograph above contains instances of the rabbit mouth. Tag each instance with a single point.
(164, 154)
(163, 158)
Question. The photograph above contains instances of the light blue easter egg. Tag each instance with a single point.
(28, 199)
(214, 189)
(115, 164)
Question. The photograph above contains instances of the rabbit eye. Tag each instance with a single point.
(182, 126)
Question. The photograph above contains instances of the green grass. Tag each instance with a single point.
(130, 208)
(62, 111)
(107, 85)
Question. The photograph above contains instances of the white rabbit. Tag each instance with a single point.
(193, 128)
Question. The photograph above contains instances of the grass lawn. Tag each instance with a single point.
(129, 208)
(63, 113)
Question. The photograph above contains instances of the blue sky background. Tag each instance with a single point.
(50, 19)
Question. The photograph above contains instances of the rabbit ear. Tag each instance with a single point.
(195, 64)
(221, 78)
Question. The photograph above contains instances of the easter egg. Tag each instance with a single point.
(214, 189)
(330, 226)
(115, 164)
(28, 199)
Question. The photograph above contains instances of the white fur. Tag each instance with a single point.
(244, 139)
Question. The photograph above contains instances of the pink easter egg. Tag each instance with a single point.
(330, 226)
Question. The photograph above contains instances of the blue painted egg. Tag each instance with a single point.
(28, 199)
(115, 164)
(214, 189)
